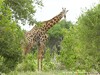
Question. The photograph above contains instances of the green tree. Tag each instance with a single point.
(89, 38)
(56, 35)
(10, 37)
(69, 55)
(80, 46)
(23, 10)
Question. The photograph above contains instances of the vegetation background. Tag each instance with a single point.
(71, 48)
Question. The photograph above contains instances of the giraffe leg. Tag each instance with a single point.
(41, 64)
(27, 49)
(40, 54)
(39, 60)
(38, 64)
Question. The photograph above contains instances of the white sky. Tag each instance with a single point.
(53, 7)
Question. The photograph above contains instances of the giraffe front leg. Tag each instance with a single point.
(38, 61)
(41, 64)
(40, 54)
(38, 64)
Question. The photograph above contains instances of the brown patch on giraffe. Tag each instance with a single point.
(43, 39)
(45, 36)
(41, 33)
(49, 26)
(42, 29)
(51, 21)
(31, 36)
(54, 19)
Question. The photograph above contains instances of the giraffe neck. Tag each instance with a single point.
(50, 23)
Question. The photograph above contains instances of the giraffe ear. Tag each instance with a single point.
(67, 10)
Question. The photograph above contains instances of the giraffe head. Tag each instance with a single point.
(64, 11)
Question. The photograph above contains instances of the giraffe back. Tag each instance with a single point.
(34, 37)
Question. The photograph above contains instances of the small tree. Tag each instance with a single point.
(23, 10)
(81, 44)
(89, 38)
(10, 37)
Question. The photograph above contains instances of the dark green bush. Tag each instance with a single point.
(10, 37)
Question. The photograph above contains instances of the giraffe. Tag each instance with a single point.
(38, 36)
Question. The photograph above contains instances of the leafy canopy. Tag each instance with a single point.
(10, 37)
(23, 10)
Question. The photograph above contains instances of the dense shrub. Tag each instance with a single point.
(10, 37)
(81, 44)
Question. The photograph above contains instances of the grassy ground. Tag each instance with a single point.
(59, 72)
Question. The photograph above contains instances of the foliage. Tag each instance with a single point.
(48, 64)
(23, 10)
(57, 30)
(56, 35)
(10, 36)
(68, 54)
(89, 37)
(29, 63)
(53, 72)
(80, 47)
(80, 43)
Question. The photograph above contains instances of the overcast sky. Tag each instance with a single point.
(53, 7)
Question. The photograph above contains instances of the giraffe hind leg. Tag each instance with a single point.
(39, 61)
(40, 55)
(41, 64)
(38, 64)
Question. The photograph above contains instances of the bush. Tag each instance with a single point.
(48, 64)
(81, 45)
(29, 63)
(10, 37)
